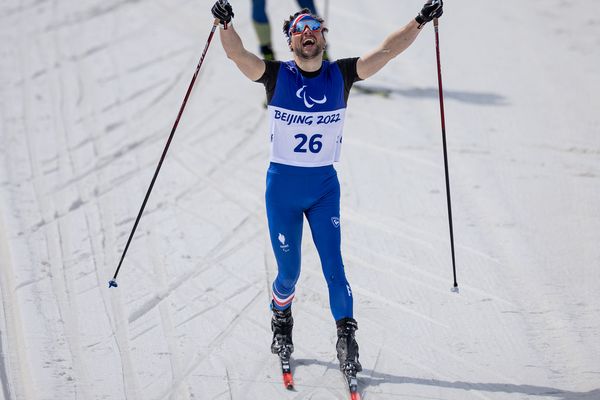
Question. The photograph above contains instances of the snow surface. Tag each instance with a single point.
(89, 91)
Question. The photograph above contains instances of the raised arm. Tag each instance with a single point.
(398, 41)
(250, 65)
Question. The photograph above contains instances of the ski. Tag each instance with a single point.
(286, 372)
(352, 386)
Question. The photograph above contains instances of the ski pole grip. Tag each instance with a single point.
(217, 20)
(435, 22)
(225, 23)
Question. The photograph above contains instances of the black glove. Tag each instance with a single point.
(431, 9)
(223, 11)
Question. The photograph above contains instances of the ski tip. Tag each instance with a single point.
(112, 283)
(354, 396)
(288, 381)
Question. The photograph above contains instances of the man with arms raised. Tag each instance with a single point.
(306, 99)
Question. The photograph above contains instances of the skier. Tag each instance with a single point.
(262, 27)
(307, 99)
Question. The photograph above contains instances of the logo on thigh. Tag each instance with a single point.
(335, 221)
(285, 247)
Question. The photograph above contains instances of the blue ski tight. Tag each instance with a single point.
(314, 192)
(259, 13)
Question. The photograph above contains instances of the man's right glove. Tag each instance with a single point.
(431, 9)
(223, 11)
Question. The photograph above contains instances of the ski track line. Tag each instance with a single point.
(130, 382)
(198, 358)
(437, 349)
(18, 381)
(359, 218)
(119, 323)
(354, 259)
(204, 133)
(223, 191)
(385, 301)
(377, 344)
(220, 302)
(97, 222)
(62, 287)
(324, 384)
(209, 261)
(442, 351)
(352, 255)
(241, 144)
(166, 319)
(160, 134)
(107, 161)
(366, 392)
(395, 153)
(433, 372)
(189, 277)
(10, 326)
(47, 209)
(375, 222)
(228, 380)
(216, 262)
(387, 351)
(222, 163)
(62, 281)
(164, 308)
(258, 366)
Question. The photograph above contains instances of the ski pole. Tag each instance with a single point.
(113, 281)
(441, 96)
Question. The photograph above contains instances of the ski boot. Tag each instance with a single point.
(346, 346)
(281, 325)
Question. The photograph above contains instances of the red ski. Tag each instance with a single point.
(286, 371)
(352, 385)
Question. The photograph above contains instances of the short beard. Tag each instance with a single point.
(301, 53)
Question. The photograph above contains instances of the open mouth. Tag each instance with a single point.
(308, 42)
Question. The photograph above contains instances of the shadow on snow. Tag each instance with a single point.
(369, 378)
(479, 98)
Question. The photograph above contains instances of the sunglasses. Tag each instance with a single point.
(302, 22)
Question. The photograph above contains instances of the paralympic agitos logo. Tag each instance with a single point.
(301, 94)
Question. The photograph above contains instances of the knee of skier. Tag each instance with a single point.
(337, 279)
(286, 283)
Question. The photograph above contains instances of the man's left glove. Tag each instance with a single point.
(431, 9)
(223, 11)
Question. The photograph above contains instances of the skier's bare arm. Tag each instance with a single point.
(393, 45)
(398, 41)
(249, 63)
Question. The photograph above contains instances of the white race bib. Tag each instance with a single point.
(306, 139)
